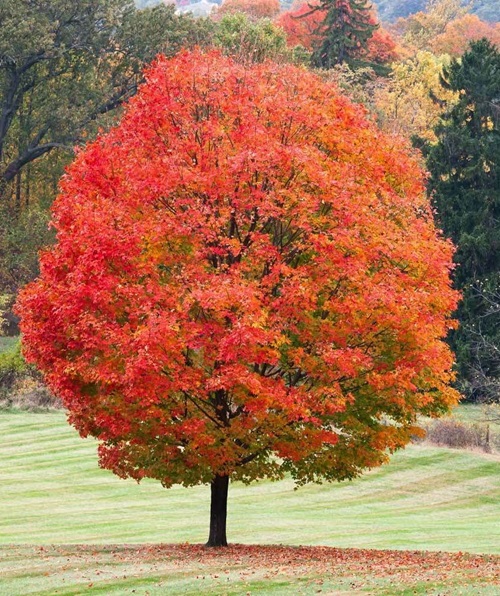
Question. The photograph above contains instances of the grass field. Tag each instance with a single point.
(53, 493)
(426, 498)
(476, 414)
(7, 343)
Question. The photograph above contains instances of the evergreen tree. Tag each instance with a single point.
(465, 181)
(344, 32)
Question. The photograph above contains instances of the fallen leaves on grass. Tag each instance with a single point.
(245, 564)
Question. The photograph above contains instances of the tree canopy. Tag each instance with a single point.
(391, 10)
(247, 282)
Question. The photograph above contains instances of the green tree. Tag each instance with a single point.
(248, 40)
(465, 182)
(21, 237)
(63, 65)
(344, 32)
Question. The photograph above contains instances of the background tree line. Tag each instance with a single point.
(390, 10)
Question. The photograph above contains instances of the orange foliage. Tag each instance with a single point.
(381, 47)
(460, 32)
(258, 9)
(247, 281)
(301, 30)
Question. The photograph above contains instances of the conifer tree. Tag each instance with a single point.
(344, 32)
(465, 181)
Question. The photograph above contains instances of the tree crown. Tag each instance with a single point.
(247, 281)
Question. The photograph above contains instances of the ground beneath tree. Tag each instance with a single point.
(239, 569)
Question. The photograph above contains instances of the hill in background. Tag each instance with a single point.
(390, 10)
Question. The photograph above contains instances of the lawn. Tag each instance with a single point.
(68, 527)
(7, 343)
(426, 498)
(479, 414)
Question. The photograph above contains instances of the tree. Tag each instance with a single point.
(465, 182)
(381, 47)
(421, 29)
(304, 28)
(257, 9)
(247, 282)
(65, 64)
(459, 33)
(390, 10)
(248, 40)
(484, 369)
(301, 26)
(344, 32)
(413, 99)
(65, 68)
(21, 237)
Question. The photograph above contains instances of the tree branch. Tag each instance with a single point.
(30, 154)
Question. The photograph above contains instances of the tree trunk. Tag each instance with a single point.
(218, 511)
(18, 192)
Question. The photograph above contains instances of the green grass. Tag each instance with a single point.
(426, 498)
(475, 414)
(7, 343)
(55, 496)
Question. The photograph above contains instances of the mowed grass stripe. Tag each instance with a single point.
(427, 498)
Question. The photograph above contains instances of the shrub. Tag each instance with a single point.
(11, 365)
(455, 434)
(21, 385)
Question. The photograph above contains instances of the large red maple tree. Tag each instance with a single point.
(247, 283)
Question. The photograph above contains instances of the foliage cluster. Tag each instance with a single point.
(64, 69)
(61, 69)
(11, 363)
(44, 116)
(406, 104)
(257, 9)
(250, 41)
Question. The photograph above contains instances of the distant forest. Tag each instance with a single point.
(390, 10)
